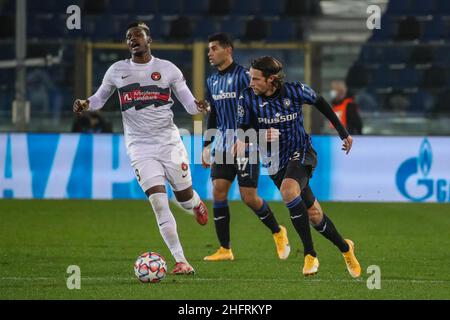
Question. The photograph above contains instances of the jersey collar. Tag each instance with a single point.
(228, 69)
(279, 92)
(143, 64)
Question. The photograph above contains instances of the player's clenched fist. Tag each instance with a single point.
(272, 134)
(206, 157)
(80, 105)
(203, 106)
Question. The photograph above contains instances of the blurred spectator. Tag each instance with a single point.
(408, 29)
(180, 28)
(366, 99)
(434, 78)
(256, 29)
(442, 104)
(302, 8)
(7, 28)
(91, 122)
(422, 55)
(357, 77)
(397, 101)
(44, 95)
(345, 107)
(219, 8)
(94, 7)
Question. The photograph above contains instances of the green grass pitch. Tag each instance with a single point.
(40, 239)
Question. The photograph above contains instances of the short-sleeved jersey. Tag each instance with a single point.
(282, 111)
(145, 101)
(223, 89)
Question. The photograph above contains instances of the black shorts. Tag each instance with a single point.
(300, 168)
(246, 172)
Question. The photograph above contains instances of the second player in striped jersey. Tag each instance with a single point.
(223, 90)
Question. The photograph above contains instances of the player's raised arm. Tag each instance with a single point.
(185, 96)
(99, 98)
(325, 108)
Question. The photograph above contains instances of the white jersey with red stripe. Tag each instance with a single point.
(145, 101)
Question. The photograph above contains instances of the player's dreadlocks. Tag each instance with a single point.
(269, 66)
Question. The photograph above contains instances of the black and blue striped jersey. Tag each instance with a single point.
(223, 89)
(282, 111)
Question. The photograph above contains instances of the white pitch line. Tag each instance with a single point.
(193, 278)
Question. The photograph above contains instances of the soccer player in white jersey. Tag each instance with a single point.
(153, 142)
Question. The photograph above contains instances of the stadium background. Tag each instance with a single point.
(399, 74)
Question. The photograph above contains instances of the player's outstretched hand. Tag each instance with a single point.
(347, 145)
(203, 106)
(80, 105)
(206, 157)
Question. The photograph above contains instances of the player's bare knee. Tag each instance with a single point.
(220, 194)
(315, 215)
(184, 195)
(155, 189)
(289, 194)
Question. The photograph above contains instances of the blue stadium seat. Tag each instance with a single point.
(421, 8)
(245, 8)
(407, 78)
(195, 7)
(6, 99)
(148, 7)
(422, 101)
(386, 32)
(397, 54)
(397, 7)
(282, 30)
(433, 29)
(172, 7)
(371, 54)
(446, 28)
(46, 27)
(233, 25)
(34, 7)
(385, 76)
(159, 28)
(443, 7)
(271, 7)
(442, 55)
(205, 27)
(114, 29)
(123, 7)
(411, 7)
(7, 52)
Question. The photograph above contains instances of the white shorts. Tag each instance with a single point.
(170, 163)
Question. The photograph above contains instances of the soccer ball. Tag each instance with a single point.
(150, 267)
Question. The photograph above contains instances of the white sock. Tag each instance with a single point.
(167, 225)
(191, 204)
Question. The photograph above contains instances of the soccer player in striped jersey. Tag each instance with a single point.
(223, 90)
(274, 108)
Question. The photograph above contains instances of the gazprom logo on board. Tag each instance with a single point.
(413, 180)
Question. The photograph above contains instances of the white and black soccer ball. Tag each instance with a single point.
(150, 267)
